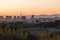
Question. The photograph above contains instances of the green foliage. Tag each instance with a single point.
(17, 30)
(49, 36)
(10, 31)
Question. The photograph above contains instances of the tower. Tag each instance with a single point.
(20, 14)
(32, 17)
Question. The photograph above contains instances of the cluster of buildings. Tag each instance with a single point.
(31, 19)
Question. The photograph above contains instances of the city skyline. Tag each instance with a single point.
(29, 7)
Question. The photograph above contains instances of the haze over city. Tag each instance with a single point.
(29, 7)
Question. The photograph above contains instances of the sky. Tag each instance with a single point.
(29, 7)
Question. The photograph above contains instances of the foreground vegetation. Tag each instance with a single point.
(15, 31)
(12, 31)
(49, 36)
(52, 24)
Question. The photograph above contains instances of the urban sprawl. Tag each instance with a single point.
(29, 19)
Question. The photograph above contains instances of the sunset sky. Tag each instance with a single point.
(29, 7)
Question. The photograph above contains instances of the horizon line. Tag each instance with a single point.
(30, 15)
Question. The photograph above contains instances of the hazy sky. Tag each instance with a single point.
(29, 7)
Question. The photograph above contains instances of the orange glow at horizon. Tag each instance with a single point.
(29, 7)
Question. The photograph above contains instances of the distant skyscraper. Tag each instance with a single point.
(18, 17)
(1, 17)
(20, 14)
(15, 17)
(32, 16)
(7, 17)
(23, 17)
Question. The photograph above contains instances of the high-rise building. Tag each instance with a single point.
(1, 17)
(8, 17)
(18, 17)
(14, 17)
(23, 17)
(32, 17)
